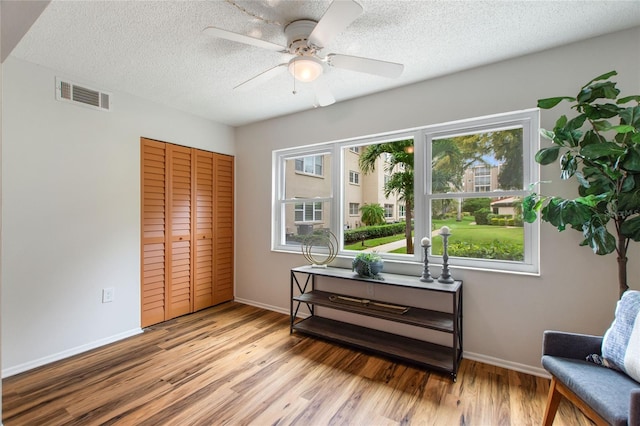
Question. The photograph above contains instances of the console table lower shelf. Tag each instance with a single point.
(426, 354)
(406, 349)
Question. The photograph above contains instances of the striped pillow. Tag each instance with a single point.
(621, 342)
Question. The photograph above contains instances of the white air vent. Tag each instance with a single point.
(81, 95)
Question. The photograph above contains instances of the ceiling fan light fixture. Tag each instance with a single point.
(305, 68)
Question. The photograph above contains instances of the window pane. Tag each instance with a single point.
(383, 173)
(354, 177)
(305, 218)
(317, 165)
(388, 211)
(479, 162)
(311, 164)
(300, 184)
(481, 228)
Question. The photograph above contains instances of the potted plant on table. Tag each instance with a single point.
(604, 158)
(367, 265)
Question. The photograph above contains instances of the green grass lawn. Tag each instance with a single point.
(374, 242)
(463, 231)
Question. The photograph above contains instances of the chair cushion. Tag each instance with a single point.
(605, 390)
(621, 342)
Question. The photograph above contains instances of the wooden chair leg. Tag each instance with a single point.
(557, 391)
(553, 400)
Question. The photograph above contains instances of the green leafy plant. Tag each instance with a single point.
(600, 148)
(372, 214)
(367, 264)
(369, 257)
(368, 232)
(496, 249)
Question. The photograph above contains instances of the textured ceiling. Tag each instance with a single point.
(156, 49)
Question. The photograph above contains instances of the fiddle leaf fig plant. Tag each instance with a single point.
(600, 149)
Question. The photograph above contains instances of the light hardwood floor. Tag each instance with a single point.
(238, 365)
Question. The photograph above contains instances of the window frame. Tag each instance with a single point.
(529, 120)
(422, 136)
(279, 200)
(389, 212)
(313, 165)
(354, 177)
(477, 185)
(314, 211)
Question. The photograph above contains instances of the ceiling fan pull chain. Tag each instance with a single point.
(294, 78)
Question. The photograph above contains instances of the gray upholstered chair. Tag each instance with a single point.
(604, 395)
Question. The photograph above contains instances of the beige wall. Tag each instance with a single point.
(504, 314)
(71, 213)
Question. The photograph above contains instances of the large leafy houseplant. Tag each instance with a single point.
(600, 148)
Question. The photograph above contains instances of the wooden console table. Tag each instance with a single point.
(415, 351)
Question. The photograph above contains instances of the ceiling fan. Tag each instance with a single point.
(305, 41)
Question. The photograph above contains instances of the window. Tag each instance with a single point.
(388, 211)
(482, 179)
(303, 200)
(470, 175)
(308, 212)
(354, 177)
(355, 149)
(478, 177)
(311, 165)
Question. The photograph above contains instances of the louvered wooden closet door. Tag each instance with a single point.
(179, 290)
(153, 187)
(203, 243)
(223, 228)
(187, 230)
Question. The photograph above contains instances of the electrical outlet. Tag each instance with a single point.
(107, 295)
(370, 290)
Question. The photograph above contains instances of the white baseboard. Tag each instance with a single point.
(7, 372)
(262, 305)
(509, 365)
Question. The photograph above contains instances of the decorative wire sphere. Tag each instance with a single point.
(325, 239)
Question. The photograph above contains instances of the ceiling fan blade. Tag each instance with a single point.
(241, 38)
(336, 18)
(323, 94)
(261, 78)
(366, 65)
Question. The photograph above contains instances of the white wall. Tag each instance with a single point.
(504, 314)
(71, 213)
